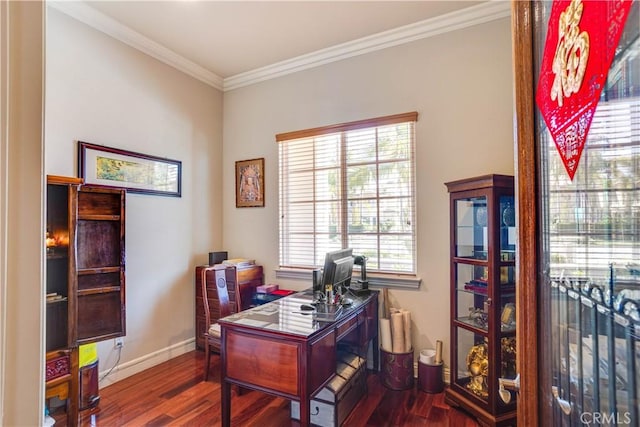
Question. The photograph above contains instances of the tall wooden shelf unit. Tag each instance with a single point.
(483, 297)
(85, 278)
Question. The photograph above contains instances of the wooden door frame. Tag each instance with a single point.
(527, 208)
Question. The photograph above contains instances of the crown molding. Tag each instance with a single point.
(475, 15)
(101, 22)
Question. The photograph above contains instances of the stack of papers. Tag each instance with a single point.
(239, 262)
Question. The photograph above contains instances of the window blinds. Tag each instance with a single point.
(349, 185)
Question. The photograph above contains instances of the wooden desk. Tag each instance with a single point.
(276, 349)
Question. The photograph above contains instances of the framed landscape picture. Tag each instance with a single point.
(138, 173)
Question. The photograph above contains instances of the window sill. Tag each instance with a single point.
(375, 280)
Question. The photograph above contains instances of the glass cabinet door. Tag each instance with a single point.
(471, 228)
(471, 299)
(589, 250)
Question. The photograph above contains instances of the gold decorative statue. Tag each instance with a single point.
(478, 366)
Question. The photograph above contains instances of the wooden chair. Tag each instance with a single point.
(212, 338)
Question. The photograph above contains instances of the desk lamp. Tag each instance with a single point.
(362, 285)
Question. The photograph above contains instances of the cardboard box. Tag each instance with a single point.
(266, 289)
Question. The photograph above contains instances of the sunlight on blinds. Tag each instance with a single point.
(351, 188)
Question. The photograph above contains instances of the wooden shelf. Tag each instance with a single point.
(99, 270)
(99, 218)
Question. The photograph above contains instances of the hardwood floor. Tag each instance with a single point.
(174, 394)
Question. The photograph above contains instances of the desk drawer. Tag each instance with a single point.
(346, 326)
(263, 362)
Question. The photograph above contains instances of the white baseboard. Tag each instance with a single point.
(147, 361)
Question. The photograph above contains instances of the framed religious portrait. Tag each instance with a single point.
(250, 183)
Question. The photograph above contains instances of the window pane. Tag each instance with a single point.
(361, 146)
(396, 253)
(327, 185)
(394, 142)
(299, 155)
(300, 187)
(361, 181)
(327, 219)
(366, 245)
(363, 216)
(327, 151)
(301, 218)
(395, 179)
(297, 250)
(395, 215)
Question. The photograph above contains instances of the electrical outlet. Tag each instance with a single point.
(118, 343)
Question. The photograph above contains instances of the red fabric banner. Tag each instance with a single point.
(581, 42)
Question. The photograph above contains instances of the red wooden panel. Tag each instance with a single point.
(263, 362)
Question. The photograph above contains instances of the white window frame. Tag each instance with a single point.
(399, 279)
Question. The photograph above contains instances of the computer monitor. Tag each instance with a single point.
(338, 266)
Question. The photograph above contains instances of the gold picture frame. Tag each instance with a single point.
(250, 183)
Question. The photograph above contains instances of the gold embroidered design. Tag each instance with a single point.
(572, 53)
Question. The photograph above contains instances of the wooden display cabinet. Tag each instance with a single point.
(85, 282)
(241, 284)
(483, 239)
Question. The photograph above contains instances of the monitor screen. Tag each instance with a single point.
(338, 266)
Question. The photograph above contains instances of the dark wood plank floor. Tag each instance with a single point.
(174, 394)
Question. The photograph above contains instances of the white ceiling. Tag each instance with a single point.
(233, 43)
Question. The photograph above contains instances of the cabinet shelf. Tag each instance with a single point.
(99, 217)
(62, 254)
(470, 260)
(98, 270)
(469, 324)
(96, 291)
(508, 332)
(474, 291)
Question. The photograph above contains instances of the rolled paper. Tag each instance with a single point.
(385, 335)
(397, 333)
(438, 352)
(385, 300)
(406, 320)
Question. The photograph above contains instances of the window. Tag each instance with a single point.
(350, 186)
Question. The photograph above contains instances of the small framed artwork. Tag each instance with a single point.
(250, 183)
(138, 173)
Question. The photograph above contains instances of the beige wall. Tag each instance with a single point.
(101, 91)
(21, 216)
(461, 85)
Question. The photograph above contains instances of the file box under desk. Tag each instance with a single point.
(334, 402)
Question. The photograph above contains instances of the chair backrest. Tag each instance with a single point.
(222, 294)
